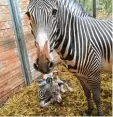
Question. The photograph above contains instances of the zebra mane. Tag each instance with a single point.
(74, 7)
(71, 7)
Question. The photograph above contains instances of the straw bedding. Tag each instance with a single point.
(26, 103)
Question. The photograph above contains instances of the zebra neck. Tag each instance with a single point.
(74, 7)
(66, 35)
(65, 44)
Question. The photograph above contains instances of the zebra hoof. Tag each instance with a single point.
(87, 113)
(70, 89)
(63, 91)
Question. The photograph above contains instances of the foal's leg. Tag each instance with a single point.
(44, 104)
(62, 88)
(68, 87)
(88, 96)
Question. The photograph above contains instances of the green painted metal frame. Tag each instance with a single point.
(94, 8)
(17, 26)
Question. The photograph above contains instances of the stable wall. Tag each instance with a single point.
(11, 76)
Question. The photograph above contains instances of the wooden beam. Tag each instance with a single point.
(18, 30)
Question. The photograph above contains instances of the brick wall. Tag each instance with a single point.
(11, 76)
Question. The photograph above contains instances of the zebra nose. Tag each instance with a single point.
(36, 67)
(44, 67)
(51, 65)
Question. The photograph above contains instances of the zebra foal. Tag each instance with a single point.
(49, 92)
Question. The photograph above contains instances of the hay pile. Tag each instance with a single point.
(26, 102)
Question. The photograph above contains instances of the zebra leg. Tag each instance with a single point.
(95, 86)
(88, 96)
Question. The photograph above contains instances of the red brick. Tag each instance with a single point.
(21, 2)
(6, 38)
(9, 68)
(4, 9)
(11, 83)
(7, 54)
(10, 74)
(4, 17)
(16, 82)
(9, 61)
(4, 92)
(6, 32)
(7, 45)
(3, 2)
(22, 7)
(5, 25)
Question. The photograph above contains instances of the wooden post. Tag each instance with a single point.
(17, 26)
(94, 8)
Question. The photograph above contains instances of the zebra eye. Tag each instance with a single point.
(28, 14)
(54, 12)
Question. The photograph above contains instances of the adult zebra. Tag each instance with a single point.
(82, 42)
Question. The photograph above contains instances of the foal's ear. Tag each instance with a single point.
(49, 80)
